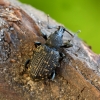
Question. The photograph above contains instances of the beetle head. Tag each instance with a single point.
(55, 39)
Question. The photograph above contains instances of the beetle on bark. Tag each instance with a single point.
(46, 58)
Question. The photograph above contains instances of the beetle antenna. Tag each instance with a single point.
(48, 19)
(69, 32)
(48, 24)
(79, 31)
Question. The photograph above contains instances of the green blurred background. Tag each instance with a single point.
(76, 15)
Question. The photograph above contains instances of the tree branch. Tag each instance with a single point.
(76, 79)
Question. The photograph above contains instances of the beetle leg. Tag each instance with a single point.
(44, 35)
(61, 56)
(53, 75)
(25, 67)
(26, 63)
(67, 45)
(37, 44)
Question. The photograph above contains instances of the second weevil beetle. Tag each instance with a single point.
(46, 57)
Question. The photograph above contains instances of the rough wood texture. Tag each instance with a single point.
(78, 78)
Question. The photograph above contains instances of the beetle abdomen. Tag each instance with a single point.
(44, 62)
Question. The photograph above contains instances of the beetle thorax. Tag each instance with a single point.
(54, 41)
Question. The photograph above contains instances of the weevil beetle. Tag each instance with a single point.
(46, 57)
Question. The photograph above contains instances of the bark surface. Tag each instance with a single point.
(78, 77)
